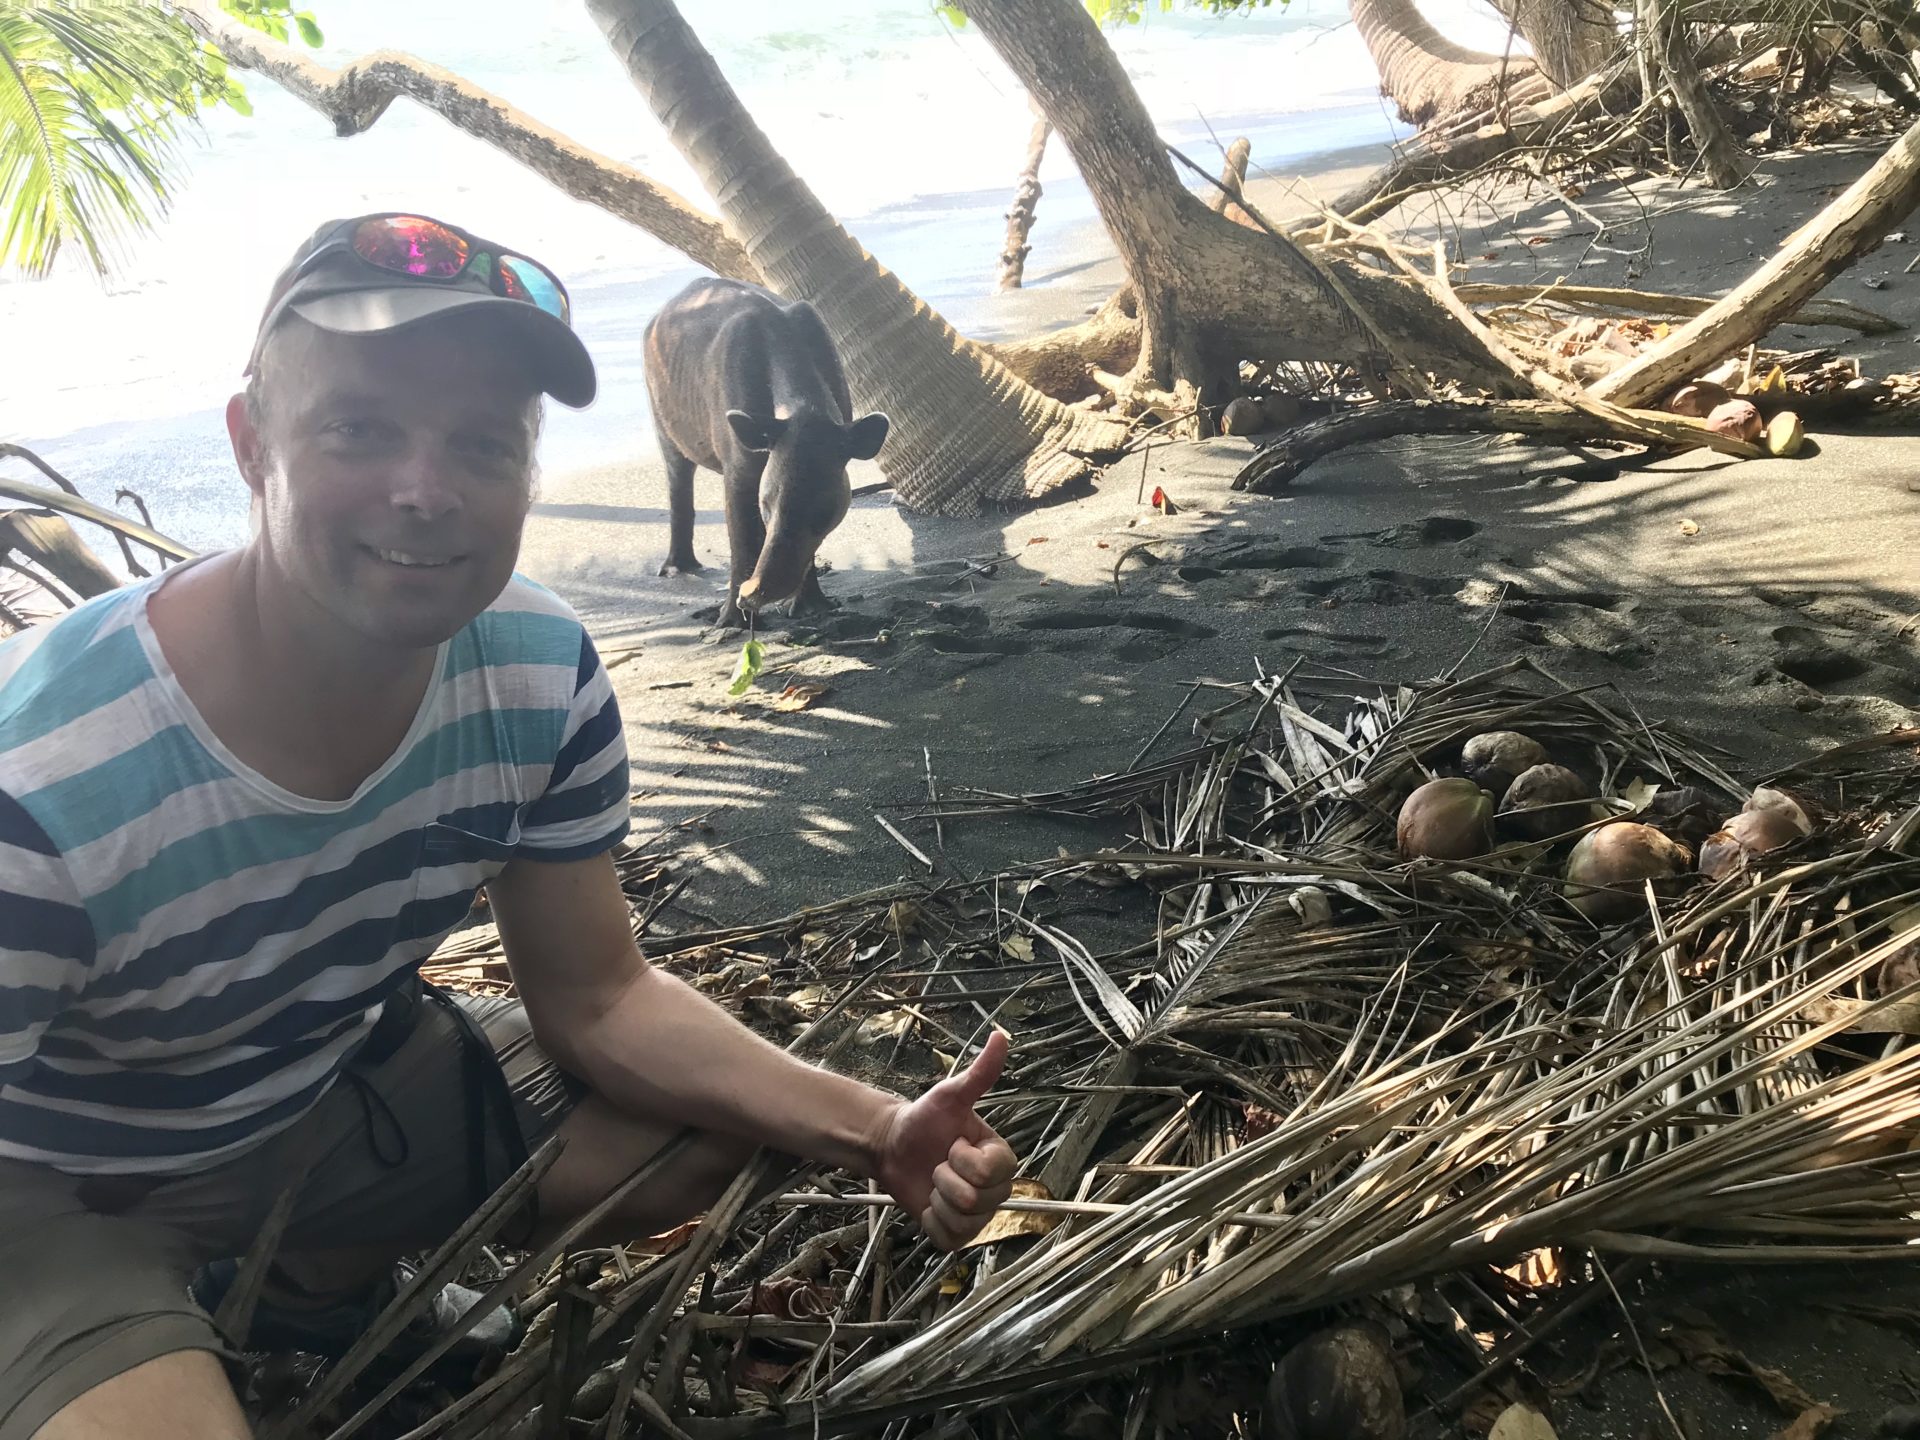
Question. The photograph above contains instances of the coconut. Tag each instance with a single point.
(1752, 832)
(1783, 802)
(1737, 419)
(1243, 417)
(1446, 820)
(1786, 435)
(1340, 1384)
(1545, 801)
(1697, 401)
(1494, 760)
(1902, 967)
(1606, 871)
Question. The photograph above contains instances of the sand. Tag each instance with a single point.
(1778, 619)
(1783, 615)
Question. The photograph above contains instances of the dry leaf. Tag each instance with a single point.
(1640, 794)
(1011, 1224)
(1521, 1422)
(1018, 946)
(1037, 539)
(1689, 527)
(800, 695)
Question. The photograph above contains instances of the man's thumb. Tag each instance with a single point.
(984, 1073)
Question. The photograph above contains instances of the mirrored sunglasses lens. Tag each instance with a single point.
(411, 245)
(527, 281)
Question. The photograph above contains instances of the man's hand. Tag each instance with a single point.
(942, 1162)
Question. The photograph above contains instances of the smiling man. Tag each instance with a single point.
(241, 802)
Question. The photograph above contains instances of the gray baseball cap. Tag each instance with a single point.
(375, 273)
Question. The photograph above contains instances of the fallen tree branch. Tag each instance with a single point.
(356, 96)
(86, 510)
(1647, 426)
(1445, 152)
(1813, 255)
(1840, 314)
(1279, 462)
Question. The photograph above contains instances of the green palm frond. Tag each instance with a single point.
(93, 100)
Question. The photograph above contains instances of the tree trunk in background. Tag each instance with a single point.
(1667, 55)
(966, 430)
(1026, 195)
(1233, 183)
(1570, 39)
(356, 95)
(1425, 74)
(1210, 293)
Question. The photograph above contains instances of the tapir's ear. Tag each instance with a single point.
(866, 435)
(753, 432)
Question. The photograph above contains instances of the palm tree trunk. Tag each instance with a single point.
(1570, 39)
(1421, 71)
(966, 430)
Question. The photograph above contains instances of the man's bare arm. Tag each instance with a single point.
(654, 1046)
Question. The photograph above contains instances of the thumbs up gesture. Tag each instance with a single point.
(942, 1162)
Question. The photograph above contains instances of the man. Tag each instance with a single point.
(239, 804)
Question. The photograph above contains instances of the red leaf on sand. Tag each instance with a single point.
(1037, 539)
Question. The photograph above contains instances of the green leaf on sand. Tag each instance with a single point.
(752, 656)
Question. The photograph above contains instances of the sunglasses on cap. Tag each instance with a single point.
(414, 247)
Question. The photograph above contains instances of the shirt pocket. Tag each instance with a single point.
(457, 856)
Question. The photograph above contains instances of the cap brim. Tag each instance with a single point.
(559, 360)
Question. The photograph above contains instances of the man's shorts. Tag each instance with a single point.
(93, 1273)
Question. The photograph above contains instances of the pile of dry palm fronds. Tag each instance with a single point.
(1313, 1073)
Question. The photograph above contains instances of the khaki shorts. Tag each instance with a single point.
(95, 1272)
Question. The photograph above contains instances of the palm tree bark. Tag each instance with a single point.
(1210, 292)
(966, 429)
(1421, 71)
(354, 97)
(1570, 39)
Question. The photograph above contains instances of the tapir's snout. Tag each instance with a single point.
(780, 573)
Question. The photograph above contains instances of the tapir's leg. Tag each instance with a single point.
(746, 531)
(680, 554)
(810, 599)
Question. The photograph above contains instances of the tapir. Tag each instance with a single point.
(750, 385)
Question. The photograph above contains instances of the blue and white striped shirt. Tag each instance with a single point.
(189, 952)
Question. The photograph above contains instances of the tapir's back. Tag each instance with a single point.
(723, 345)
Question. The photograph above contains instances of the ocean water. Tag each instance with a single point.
(905, 127)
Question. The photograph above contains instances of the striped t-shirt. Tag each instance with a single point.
(189, 952)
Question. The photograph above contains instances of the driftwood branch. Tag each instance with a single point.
(355, 97)
(1232, 184)
(1813, 255)
(50, 542)
(1841, 314)
(1645, 426)
(65, 504)
(1026, 197)
(1279, 462)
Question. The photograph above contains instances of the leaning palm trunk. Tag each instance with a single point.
(966, 430)
(1425, 74)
